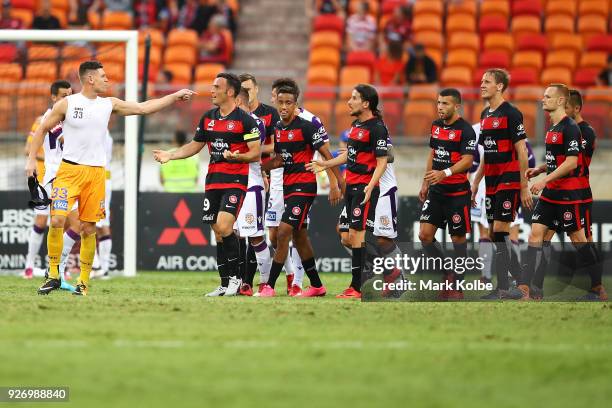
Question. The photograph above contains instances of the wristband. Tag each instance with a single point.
(448, 172)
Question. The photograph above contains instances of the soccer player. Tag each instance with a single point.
(564, 190)
(293, 264)
(295, 141)
(445, 191)
(504, 165)
(233, 141)
(249, 222)
(105, 241)
(81, 174)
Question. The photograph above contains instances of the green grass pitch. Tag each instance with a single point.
(155, 341)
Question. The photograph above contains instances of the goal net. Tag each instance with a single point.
(30, 61)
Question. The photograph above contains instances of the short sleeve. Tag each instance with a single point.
(571, 140)
(379, 137)
(273, 121)
(515, 126)
(468, 141)
(312, 134)
(251, 129)
(321, 131)
(200, 135)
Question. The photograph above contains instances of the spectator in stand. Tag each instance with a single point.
(398, 28)
(420, 68)
(44, 20)
(117, 5)
(390, 65)
(160, 14)
(77, 16)
(6, 21)
(187, 14)
(605, 76)
(212, 46)
(208, 9)
(317, 7)
(361, 29)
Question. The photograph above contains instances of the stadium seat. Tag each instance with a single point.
(464, 40)
(61, 5)
(599, 116)
(427, 22)
(153, 72)
(492, 24)
(499, 42)
(342, 118)
(567, 42)
(524, 76)
(111, 53)
(157, 37)
(526, 7)
(325, 56)
(598, 94)
(361, 58)
(115, 72)
(70, 68)
(351, 76)
(591, 25)
(325, 39)
(561, 7)
(428, 7)
(330, 22)
(26, 16)
(61, 16)
(430, 39)
(43, 53)
(206, 73)
(465, 7)
(10, 72)
(494, 59)
(495, 8)
(436, 56)
(530, 112)
(392, 112)
(585, 77)
(117, 20)
(418, 116)
(388, 6)
(457, 23)
(181, 36)
(525, 26)
(8, 52)
(565, 59)
(322, 75)
(600, 42)
(456, 76)
(528, 93)
(25, 4)
(155, 56)
(593, 7)
(181, 54)
(94, 19)
(462, 58)
(42, 71)
(229, 42)
(555, 76)
(527, 59)
(532, 43)
(322, 109)
(425, 92)
(181, 73)
(560, 23)
(75, 52)
(28, 109)
(477, 76)
(593, 59)
(34, 87)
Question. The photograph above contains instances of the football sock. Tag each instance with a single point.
(298, 276)
(251, 267)
(311, 271)
(534, 258)
(55, 241)
(515, 259)
(242, 258)
(356, 268)
(70, 238)
(105, 245)
(589, 257)
(540, 273)
(289, 269)
(502, 258)
(264, 259)
(34, 242)
(433, 249)
(460, 252)
(88, 249)
(231, 247)
(275, 271)
(221, 265)
(486, 251)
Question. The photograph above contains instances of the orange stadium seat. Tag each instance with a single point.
(351, 76)
(181, 54)
(537, 42)
(557, 7)
(28, 109)
(600, 42)
(556, 75)
(155, 56)
(342, 118)
(115, 72)
(61, 5)
(34, 88)
(593, 59)
(61, 16)
(527, 59)
(325, 56)
(529, 111)
(94, 19)
(492, 24)
(462, 58)
(567, 42)
(425, 92)
(565, 59)
(594, 7)
(322, 109)
(464, 40)
(111, 53)
(524, 76)
(526, 7)
(418, 117)
(325, 39)
(457, 23)
(525, 25)
(494, 59)
(585, 77)
(598, 94)
(430, 39)
(181, 73)
(456, 76)
(10, 72)
(528, 93)
(436, 56)
(427, 22)
(428, 7)
(8, 52)
(322, 75)
(157, 37)
(361, 58)
(591, 25)
(69, 68)
(25, 15)
(499, 42)
(117, 20)
(558, 24)
(208, 72)
(497, 8)
(43, 53)
(43, 71)
(181, 36)
(465, 7)
(325, 22)
(75, 52)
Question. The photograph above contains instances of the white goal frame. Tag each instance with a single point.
(130, 38)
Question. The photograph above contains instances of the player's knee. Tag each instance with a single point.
(40, 221)
(57, 221)
(344, 239)
(355, 238)
(283, 235)
(425, 237)
(88, 228)
(253, 241)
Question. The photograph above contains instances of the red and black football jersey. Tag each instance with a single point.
(499, 131)
(366, 141)
(232, 133)
(449, 143)
(588, 143)
(564, 140)
(269, 116)
(296, 144)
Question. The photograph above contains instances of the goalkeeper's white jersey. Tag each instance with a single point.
(53, 150)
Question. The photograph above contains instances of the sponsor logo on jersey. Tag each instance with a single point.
(489, 143)
(442, 153)
(270, 216)
(573, 146)
(60, 205)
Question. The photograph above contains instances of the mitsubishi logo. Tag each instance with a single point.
(194, 236)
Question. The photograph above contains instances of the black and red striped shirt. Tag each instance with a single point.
(296, 144)
(588, 143)
(499, 131)
(564, 140)
(449, 143)
(366, 141)
(232, 132)
(269, 116)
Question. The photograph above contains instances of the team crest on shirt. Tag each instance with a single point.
(230, 125)
(249, 218)
(451, 135)
(233, 199)
(554, 138)
(360, 134)
(495, 123)
(384, 220)
(296, 210)
(456, 218)
(357, 212)
(507, 205)
(290, 135)
(567, 216)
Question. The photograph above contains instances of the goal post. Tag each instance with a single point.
(130, 39)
